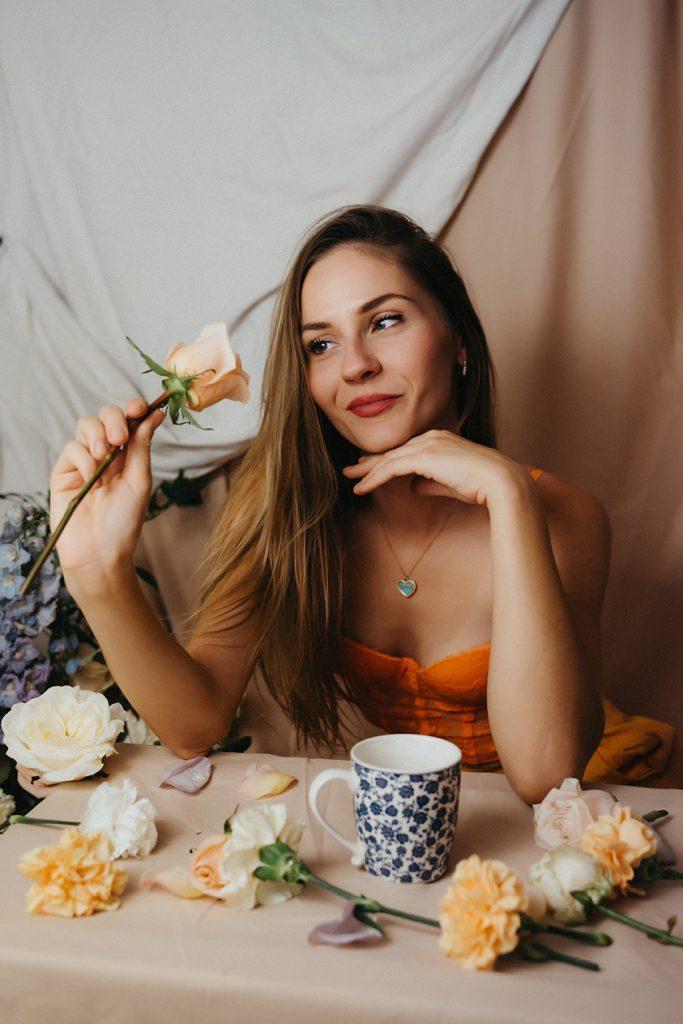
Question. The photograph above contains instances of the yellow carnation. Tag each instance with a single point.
(74, 878)
(618, 843)
(479, 914)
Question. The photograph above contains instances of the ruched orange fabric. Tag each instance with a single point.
(448, 699)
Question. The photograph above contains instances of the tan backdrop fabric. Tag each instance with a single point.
(570, 241)
(570, 238)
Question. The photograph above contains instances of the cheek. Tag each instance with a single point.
(429, 364)
(321, 384)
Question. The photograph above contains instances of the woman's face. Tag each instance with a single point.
(357, 347)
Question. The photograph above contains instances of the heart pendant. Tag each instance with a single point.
(407, 587)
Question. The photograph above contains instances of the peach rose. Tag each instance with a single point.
(480, 913)
(219, 368)
(618, 843)
(74, 878)
(562, 816)
(205, 866)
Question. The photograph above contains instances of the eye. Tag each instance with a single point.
(314, 351)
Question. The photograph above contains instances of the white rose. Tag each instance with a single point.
(128, 820)
(559, 872)
(7, 806)
(64, 734)
(560, 819)
(137, 730)
(251, 829)
(93, 675)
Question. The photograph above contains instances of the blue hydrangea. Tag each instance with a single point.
(10, 583)
(13, 556)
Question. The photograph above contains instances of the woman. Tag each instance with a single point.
(371, 528)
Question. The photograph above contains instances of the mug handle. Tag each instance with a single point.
(348, 776)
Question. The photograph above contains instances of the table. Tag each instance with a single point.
(159, 958)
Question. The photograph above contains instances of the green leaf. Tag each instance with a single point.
(361, 915)
(192, 420)
(161, 370)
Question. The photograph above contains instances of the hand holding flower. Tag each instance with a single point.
(109, 525)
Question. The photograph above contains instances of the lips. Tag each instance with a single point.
(372, 405)
(370, 400)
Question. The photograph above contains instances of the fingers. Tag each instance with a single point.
(74, 457)
(138, 469)
(396, 465)
(37, 788)
(111, 430)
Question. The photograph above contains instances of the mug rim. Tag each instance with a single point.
(356, 759)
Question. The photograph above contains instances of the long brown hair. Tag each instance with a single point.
(276, 551)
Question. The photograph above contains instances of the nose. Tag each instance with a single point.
(358, 362)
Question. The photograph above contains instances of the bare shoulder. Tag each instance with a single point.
(580, 530)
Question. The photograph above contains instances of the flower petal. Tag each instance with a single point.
(261, 780)
(344, 930)
(188, 776)
(176, 880)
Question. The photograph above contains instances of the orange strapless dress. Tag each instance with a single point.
(448, 699)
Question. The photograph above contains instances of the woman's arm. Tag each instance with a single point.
(544, 688)
(188, 700)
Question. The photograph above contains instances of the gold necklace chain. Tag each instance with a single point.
(406, 585)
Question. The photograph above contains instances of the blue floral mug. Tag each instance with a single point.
(406, 792)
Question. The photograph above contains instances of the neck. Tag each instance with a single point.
(406, 514)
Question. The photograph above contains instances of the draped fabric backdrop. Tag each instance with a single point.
(571, 237)
(161, 161)
(127, 213)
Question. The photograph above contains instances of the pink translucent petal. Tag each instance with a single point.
(188, 776)
(344, 930)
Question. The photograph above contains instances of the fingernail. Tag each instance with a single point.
(100, 449)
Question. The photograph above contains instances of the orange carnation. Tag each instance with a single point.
(618, 843)
(479, 914)
(74, 878)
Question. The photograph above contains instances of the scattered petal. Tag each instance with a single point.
(188, 776)
(175, 880)
(261, 780)
(345, 929)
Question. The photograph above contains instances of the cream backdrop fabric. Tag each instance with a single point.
(161, 161)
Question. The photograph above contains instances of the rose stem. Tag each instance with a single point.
(133, 424)
(372, 906)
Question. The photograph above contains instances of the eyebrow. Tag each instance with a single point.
(365, 308)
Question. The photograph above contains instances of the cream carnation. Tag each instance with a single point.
(127, 820)
(64, 734)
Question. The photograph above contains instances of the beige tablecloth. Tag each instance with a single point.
(162, 959)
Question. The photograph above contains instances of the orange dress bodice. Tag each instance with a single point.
(448, 699)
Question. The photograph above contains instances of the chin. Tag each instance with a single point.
(377, 441)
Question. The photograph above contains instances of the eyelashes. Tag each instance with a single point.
(325, 341)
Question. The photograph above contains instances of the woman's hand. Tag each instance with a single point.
(29, 780)
(107, 523)
(444, 463)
